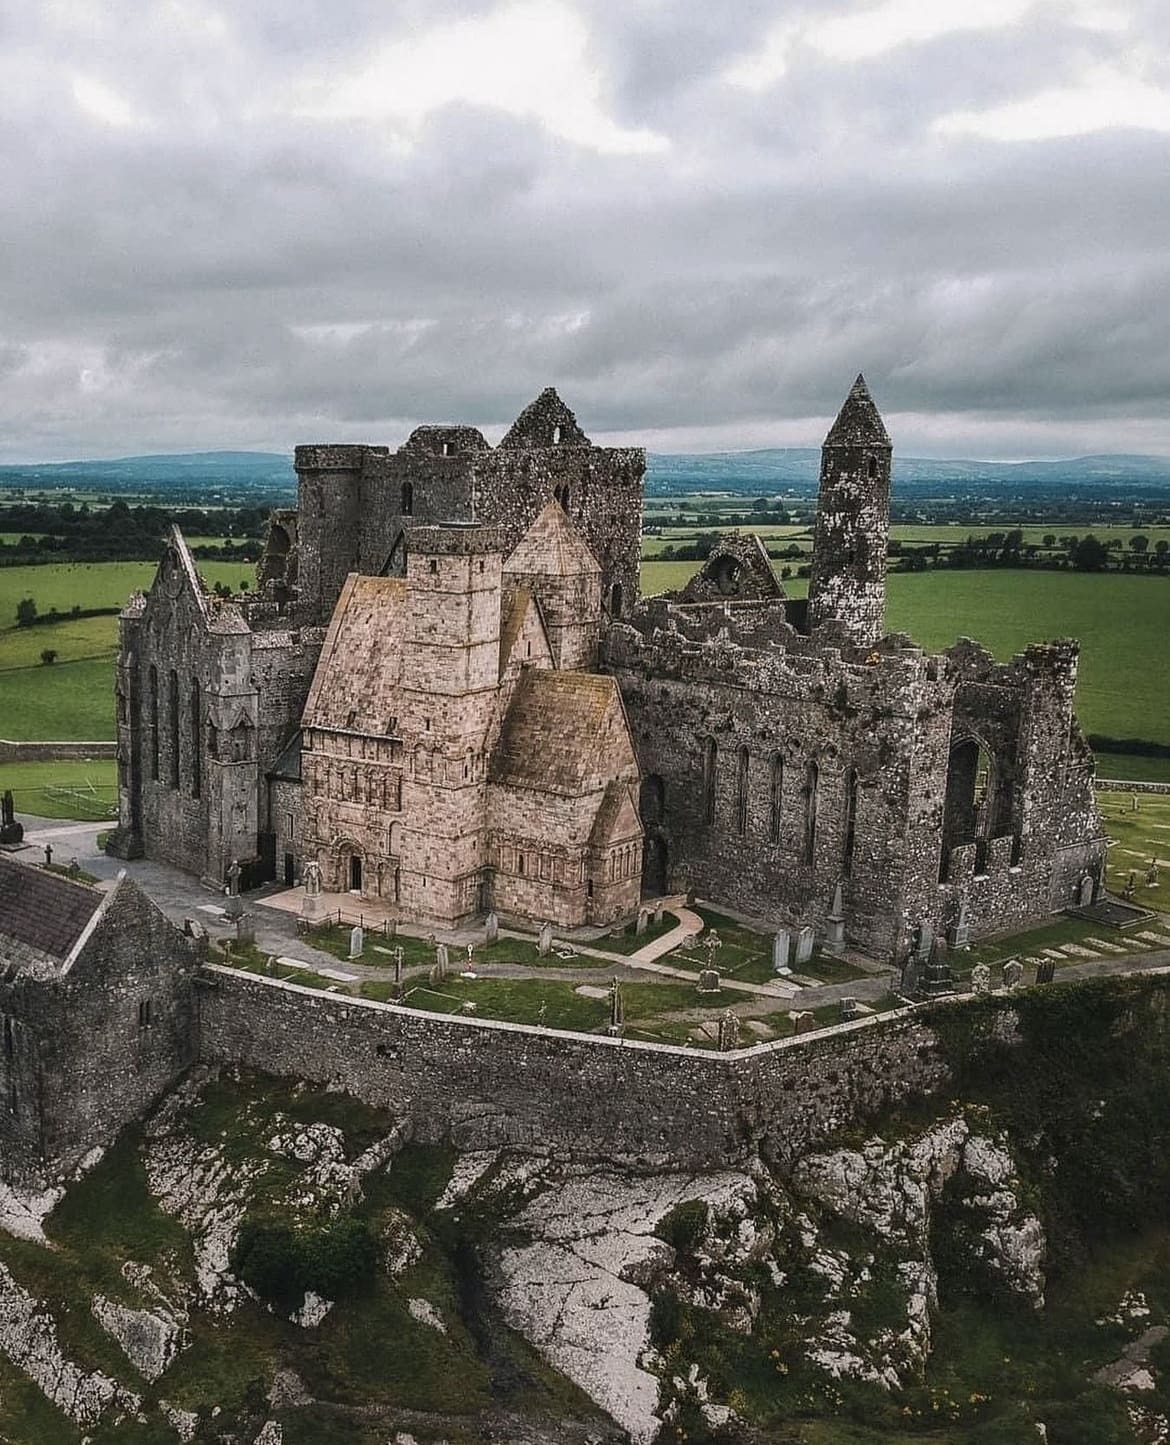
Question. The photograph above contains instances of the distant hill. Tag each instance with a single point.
(185, 472)
(766, 470)
(773, 467)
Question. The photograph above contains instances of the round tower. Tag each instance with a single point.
(847, 582)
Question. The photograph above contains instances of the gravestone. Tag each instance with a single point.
(235, 904)
(805, 940)
(781, 951)
(657, 913)
(981, 979)
(245, 929)
(728, 1031)
(911, 977)
(545, 942)
(398, 967)
(835, 924)
(1085, 894)
(849, 1010)
(923, 940)
(617, 1010)
(640, 923)
(10, 830)
(961, 933)
(1045, 970)
(1013, 973)
(492, 927)
(442, 960)
(937, 976)
(708, 980)
(803, 1022)
(357, 941)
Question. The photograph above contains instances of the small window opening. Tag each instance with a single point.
(481, 564)
(556, 436)
(144, 1013)
(408, 499)
(520, 864)
(871, 468)
(432, 566)
(448, 449)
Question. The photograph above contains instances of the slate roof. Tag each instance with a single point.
(859, 423)
(552, 732)
(552, 547)
(41, 910)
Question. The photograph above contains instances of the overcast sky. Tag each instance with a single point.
(314, 220)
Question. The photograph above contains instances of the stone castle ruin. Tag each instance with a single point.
(448, 694)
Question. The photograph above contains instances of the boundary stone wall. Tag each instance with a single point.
(480, 1084)
(12, 751)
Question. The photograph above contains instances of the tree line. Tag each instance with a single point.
(63, 532)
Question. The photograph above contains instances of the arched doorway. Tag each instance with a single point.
(655, 866)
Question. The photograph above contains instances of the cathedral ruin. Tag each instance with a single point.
(449, 694)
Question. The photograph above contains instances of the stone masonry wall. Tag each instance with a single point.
(482, 1084)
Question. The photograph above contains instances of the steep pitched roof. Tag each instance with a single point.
(545, 422)
(554, 729)
(43, 911)
(859, 422)
(552, 547)
(523, 615)
(617, 817)
(356, 682)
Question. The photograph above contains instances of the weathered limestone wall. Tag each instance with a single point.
(40, 752)
(484, 1084)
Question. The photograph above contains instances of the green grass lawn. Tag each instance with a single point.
(70, 788)
(746, 956)
(1138, 836)
(96, 584)
(81, 637)
(1049, 935)
(627, 940)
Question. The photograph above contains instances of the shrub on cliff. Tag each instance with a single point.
(334, 1259)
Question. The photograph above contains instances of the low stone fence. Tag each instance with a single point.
(1119, 785)
(480, 1083)
(47, 752)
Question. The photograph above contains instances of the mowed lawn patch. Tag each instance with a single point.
(65, 585)
(71, 699)
(69, 788)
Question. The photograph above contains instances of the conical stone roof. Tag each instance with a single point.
(859, 423)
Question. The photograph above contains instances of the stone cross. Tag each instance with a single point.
(233, 878)
(492, 927)
(1013, 972)
(311, 878)
(781, 950)
(398, 966)
(357, 941)
(805, 941)
(545, 942)
(712, 943)
(48, 854)
(981, 979)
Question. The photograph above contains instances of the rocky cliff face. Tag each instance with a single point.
(265, 1264)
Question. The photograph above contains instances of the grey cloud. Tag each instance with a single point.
(738, 279)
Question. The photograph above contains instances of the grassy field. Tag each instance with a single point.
(95, 584)
(68, 789)
(1139, 834)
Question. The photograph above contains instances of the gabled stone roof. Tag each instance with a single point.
(553, 731)
(356, 682)
(859, 423)
(44, 911)
(552, 547)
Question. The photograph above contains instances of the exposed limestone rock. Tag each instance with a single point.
(28, 1336)
(401, 1246)
(24, 1211)
(184, 1422)
(150, 1339)
(570, 1291)
(426, 1314)
(312, 1311)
